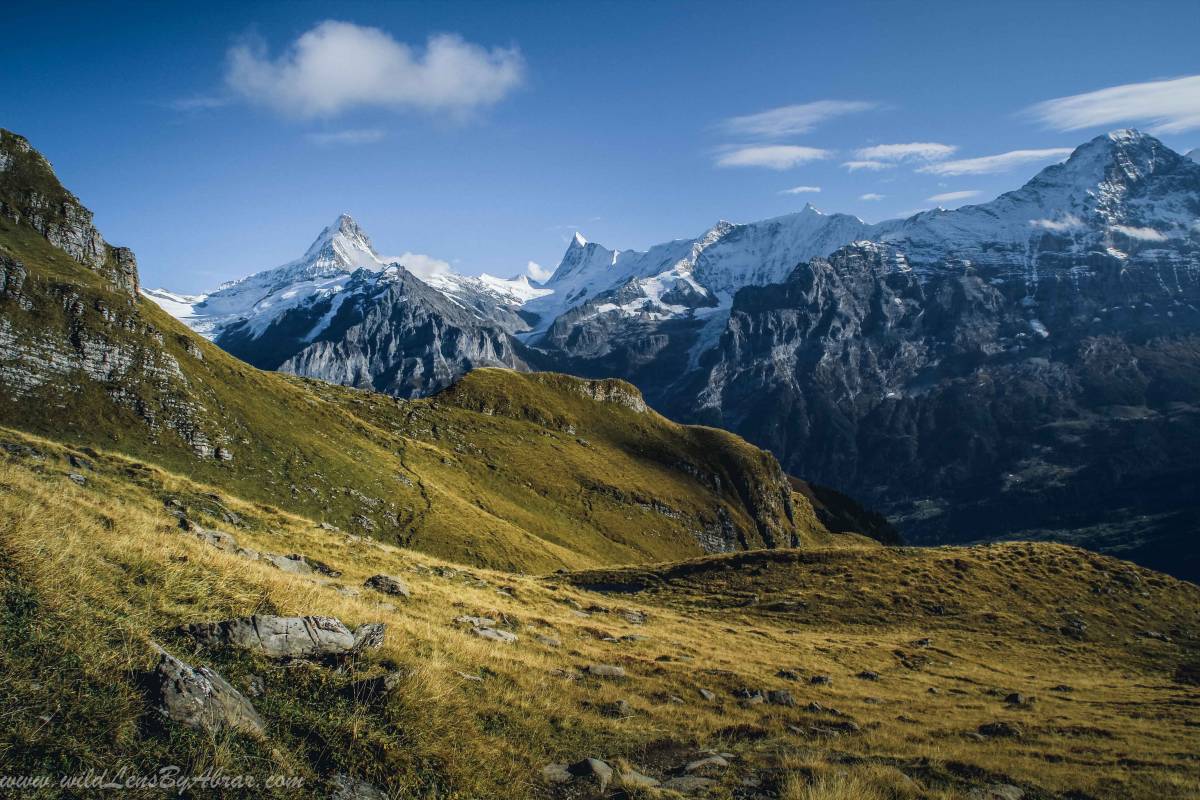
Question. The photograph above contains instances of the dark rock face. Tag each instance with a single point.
(388, 331)
(976, 397)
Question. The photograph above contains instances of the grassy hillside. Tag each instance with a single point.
(517, 471)
(1105, 654)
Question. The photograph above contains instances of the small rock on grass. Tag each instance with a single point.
(632, 779)
(588, 770)
(295, 565)
(994, 730)
(495, 635)
(605, 671)
(617, 709)
(548, 641)
(707, 694)
(388, 584)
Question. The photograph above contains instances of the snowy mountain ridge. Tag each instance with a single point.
(340, 250)
(1106, 198)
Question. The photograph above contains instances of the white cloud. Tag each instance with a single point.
(1144, 234)
(792, 120)
(801, 190)
(873, 166)
(1168, 106)
(870, 196)
(423, 266)
(337, 66)
(1069, 222)
(348, 137)
(1002, 162)
(772, 156)
(537, 272)
(950, 197)
(911, 151)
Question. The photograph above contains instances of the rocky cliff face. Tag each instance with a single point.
(31, 195)
(386, 331)
(977, 387)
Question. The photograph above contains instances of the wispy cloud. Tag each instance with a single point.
(872, 166)
(870, 196)
(348, 137)
(337, 66)
(1002, 162)
(1143, 234)
(791, 120)
(772, 156)
(1167, 106)
(1068, 222)
(951, 197)
(909, 151)
(801, 190)
(423, 266)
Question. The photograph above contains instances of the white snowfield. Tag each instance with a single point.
(1082, 205)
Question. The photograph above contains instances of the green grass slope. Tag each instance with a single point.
(510, 470)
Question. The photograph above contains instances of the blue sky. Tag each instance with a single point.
(204, 139)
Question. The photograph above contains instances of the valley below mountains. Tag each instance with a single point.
(1024, 368)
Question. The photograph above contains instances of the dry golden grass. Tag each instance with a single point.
(92, 573)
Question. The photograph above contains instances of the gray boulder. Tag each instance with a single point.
(604, 671)
(495, 635)
(287, 637)
(199, 698)
(294, 564)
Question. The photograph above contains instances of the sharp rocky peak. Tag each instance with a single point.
(344, 236)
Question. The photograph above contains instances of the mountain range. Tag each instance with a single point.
(529, 584)
(1023, 367)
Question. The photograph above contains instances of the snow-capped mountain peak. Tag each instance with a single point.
(684, 276)
(344, 244)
